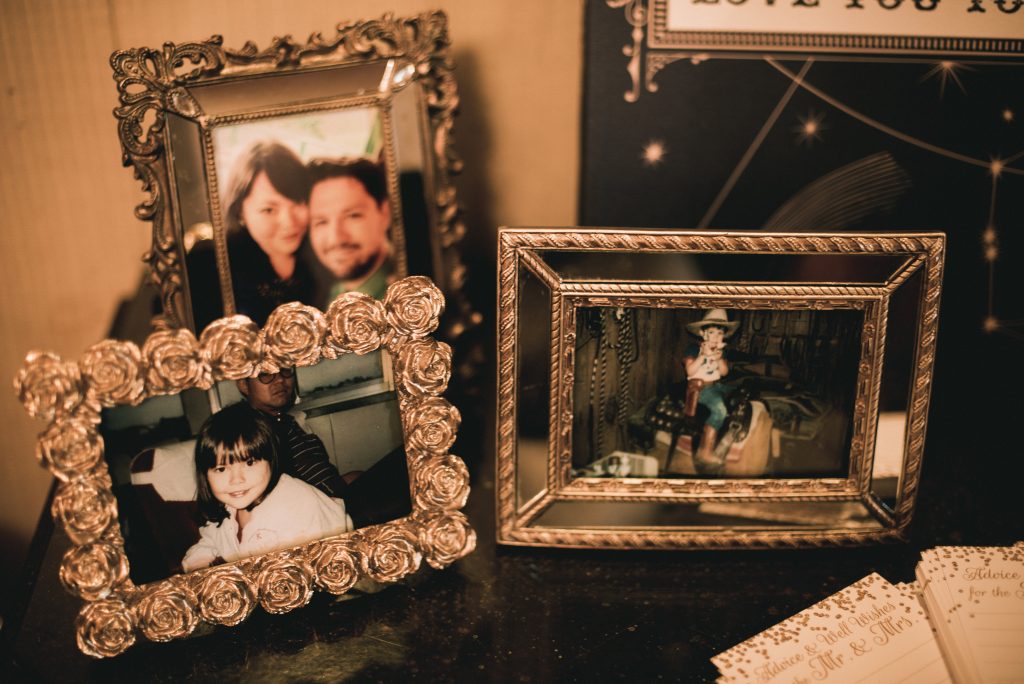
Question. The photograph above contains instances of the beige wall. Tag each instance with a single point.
(70, 246)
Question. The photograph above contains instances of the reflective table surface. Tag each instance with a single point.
(532, 614)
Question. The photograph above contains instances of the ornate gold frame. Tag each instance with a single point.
(524, 250)
(152, 83)
(68, 395)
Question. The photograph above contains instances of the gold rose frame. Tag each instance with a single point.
(69, 396)
(888, 284)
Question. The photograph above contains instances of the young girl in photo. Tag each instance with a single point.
(249, 505)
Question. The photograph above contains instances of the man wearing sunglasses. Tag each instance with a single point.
(302, 453)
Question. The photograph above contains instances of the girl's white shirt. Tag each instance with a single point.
(294, 513)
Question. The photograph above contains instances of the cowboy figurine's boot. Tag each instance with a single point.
(705, 460)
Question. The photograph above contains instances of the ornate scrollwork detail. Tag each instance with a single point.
(149, 84)
(636, 15)
(152, 82)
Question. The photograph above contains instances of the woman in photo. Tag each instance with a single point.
(266, 218)
(249, 506)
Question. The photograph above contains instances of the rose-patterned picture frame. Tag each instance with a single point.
(70, 396)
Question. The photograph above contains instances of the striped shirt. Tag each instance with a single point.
(303, 456)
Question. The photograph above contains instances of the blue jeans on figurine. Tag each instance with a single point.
(713, 397)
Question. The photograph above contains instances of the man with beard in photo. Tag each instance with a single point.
(350, 217)
(302, 453)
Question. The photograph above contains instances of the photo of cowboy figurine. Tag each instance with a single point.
(714, 393)
(706, 364)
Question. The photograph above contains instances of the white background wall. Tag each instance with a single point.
(70, 245)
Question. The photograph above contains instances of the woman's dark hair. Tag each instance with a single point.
(370, 175)
(233, 435)
(284, 169)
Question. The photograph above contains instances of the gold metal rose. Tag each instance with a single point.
(355, 323)
(167, 610)
(113, 372)
(285, 582)
(432, 424)
(88, 411)
(93, 571)
(231, 347)
(224, 594)
(425, 367)
(292, 337)
(48, 386)
(174, 363)
(86, 508)
(104, 629)
(70, 448)
(445, 537)
(441, 482)
(389, 552)
(336, 564)
(413, 307)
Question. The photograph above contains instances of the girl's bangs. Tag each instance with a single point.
(239, 452)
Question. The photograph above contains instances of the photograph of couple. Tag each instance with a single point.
(305, 210)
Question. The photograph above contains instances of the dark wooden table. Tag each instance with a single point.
(510, 614)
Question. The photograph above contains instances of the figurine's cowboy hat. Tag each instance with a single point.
(715, 317)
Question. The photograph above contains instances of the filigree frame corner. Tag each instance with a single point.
(521, 248)
(69, 395)
(152, 82)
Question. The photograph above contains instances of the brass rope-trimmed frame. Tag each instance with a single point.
(521, 248)
(69, 396)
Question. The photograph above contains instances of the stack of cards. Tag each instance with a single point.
(975, 599)
(962, 621)
(872, 631)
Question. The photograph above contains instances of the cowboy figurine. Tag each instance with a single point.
(705, 365)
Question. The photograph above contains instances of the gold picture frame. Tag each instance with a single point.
(70, 396)
(833, 351)
(176, 100)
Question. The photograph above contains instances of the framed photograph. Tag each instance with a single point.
(297, 172)
(201, 478)
(712, 389)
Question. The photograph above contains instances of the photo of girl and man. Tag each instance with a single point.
(256, 465)
(306, 214)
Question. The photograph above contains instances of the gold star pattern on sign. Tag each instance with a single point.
(654, 153)
(810, 127)
(946, 72)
